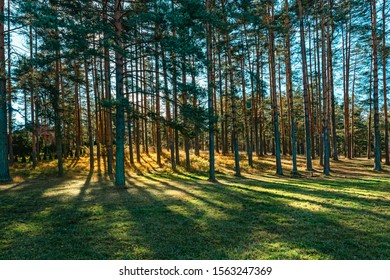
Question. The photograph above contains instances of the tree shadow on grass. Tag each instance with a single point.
(174, 217)
(324, 233)
(36, 219)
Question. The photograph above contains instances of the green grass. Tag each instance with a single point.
(163, 215)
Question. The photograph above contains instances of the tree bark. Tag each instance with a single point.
(89, 117)
(97, 111)
(289, 92)
(9, 89)
(210, 89)
(233, 102)
(347, 141)
(305, 88)
(325, 95)
(137, 110)
(377, 143)
(107, 83)
(4, 168)
(170, 139)
(244, 105)
(330, 78)
(384, 62)
(120, 115)
(221, 105)
(157, 69)
(130, 111)
(185, 100)
(271, 55)
(352, 135)
(32, 105)
(58, 115)
(77, 114)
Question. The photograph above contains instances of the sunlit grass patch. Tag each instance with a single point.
(181, 215)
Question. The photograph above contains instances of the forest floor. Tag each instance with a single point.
(167, 215)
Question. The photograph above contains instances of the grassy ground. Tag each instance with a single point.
(166, 215)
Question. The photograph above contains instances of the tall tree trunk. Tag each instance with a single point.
(226, 110)
(157, 69)
(384, 61)
(97, 111)
(175, 94)
(137, 110)
(377, 144)
(120, 114)
(221, 105)
(102, 115)
(289, 91)
(305, 87)
(257, 101)
(215, 109)
(244, 105)
(77, 114)
(319, 89)
(130, 109)
(251, 111)
(325, 95)
(330, 77)
(282, 124)
(210, 89)
(4, 168)
(170, 139)
(65, 131)
(9, 87)
(185, 100)
(195, 105)
(32, 105)
(107, 83)
(233, 101)
(271, 56)
(89, 116)
(144, 105)
(369, 130)
(333, 109)
(57, 115)
(263, 148)
(347, 141)
(175, 110)
(312, 106)
(37, 109)
(352, 135)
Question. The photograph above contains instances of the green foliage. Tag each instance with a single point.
(174, 32)
(21, 143)
(194, 120)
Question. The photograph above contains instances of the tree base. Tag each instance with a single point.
(212, 180)
(295, 174)
(6, 181)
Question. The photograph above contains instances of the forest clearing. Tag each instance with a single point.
(187, 129)
(180, 215)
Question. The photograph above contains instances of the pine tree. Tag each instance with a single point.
(120, 114)
(377, 144)
(271, 60)
(385, 53)
(210, 96)
(289, 90)
(4, 168)
(305, 87)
